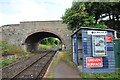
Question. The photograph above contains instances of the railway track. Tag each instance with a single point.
(34, 68)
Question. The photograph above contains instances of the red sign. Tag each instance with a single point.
(94, 62)
(108, 38)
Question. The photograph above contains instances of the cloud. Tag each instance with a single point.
(14, 11)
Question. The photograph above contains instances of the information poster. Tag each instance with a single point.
(99, 45)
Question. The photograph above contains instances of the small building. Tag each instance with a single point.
(93, 50)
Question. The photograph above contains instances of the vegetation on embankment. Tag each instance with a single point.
(6, 61)
(10, 53)
(11, 49)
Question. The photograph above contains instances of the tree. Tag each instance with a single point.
(107, 13)
(108, 10)
(77, 16)
(50, 41)
(57, 42)
(93, 14)
(44, 41)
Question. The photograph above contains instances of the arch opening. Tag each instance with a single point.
(49, 43)
(32, 42)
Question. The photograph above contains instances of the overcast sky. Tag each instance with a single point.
(15, 11)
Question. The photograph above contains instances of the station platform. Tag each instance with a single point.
(61, 70)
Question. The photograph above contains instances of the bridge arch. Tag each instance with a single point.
(17, 34)
(32, 39)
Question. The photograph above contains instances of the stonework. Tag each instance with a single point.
(17, 33)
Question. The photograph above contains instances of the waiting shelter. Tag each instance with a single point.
(93, 49)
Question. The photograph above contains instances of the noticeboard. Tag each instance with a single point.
(99, 45)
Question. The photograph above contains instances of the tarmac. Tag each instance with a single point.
(61, 70)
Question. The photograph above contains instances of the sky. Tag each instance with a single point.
(16, 11)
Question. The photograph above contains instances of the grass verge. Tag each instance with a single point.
(66, 56)
(104, 76)
(46, 47)
(6, 62)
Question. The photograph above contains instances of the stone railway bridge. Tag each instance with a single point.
(28, 34)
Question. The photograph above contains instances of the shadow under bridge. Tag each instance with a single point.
(32, 41)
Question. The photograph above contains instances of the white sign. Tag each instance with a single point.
(97, 32)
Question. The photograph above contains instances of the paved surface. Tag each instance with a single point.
(62, 70)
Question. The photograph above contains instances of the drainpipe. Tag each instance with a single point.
(115, 34)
